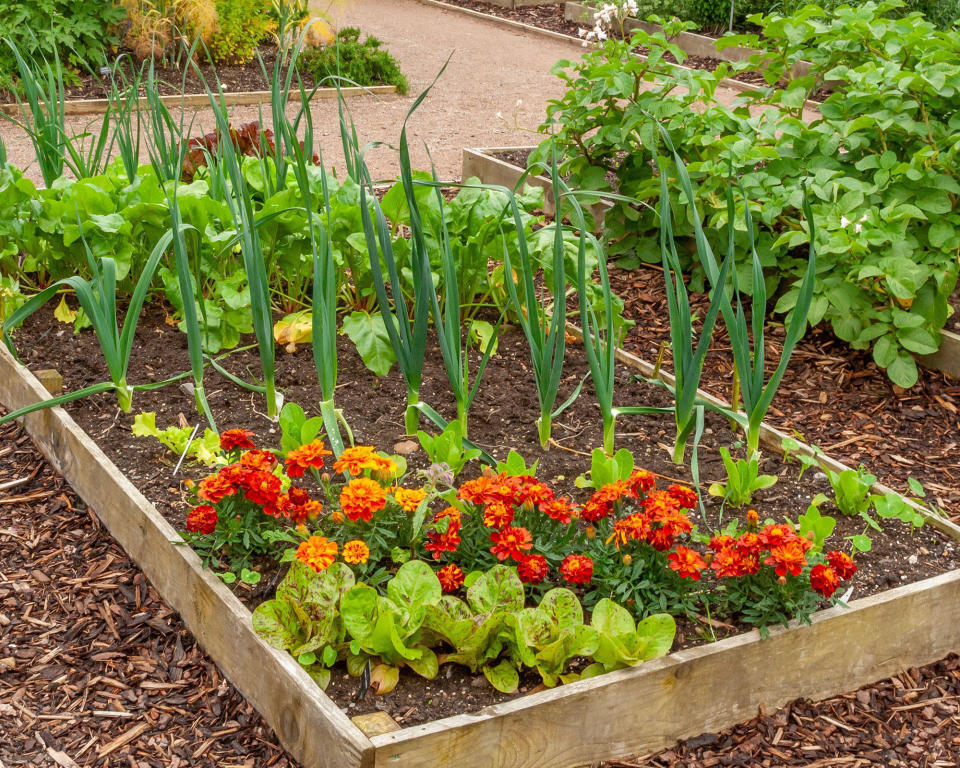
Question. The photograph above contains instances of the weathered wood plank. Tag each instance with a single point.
(308, 723)
(695, 691)
(947, 358)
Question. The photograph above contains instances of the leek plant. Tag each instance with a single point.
(125, 105)
(98, 298)
(747, 337)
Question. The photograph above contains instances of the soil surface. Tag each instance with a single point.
(374, 409)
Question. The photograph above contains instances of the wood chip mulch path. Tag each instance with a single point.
(96, 669)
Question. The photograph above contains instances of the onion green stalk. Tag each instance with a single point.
(125, 104)
(98, 298)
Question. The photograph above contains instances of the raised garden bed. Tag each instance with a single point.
(893, 630)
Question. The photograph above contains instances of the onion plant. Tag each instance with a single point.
(747, 337)
(98, 299)
(124, 100)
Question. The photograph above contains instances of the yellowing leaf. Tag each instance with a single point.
(63, 313)
(294, 329)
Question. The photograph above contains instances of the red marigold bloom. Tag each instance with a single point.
(775, 534)
(361, 498)
(560, 510)
(718, 543)
(236, 474)
(641, 481)
(317, 552)
(451, 577)
(511, 542)
(236, 438)
(264, 461)
(748, 544)
(487, 489)
(635, 527)
(686, 562)
(438, 543)
(532, 569)
(788, 557)
(824, 580)
(534, 493)
(685, 497)
(497, 515)
(202, 519)
(409, 498)
(676, 522)
(309, 456)
(842, 564)
(262, 487)
(727, 562)
(596, 509)
(355, 552)
(215, 488)
(297, 506)
(661, 539)
(577, 569)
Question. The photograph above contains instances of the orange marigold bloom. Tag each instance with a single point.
(748, 544)
(438, 543)
(236, 474)
(727, 563)
(215, 488)
(262, 487)
(489, 488)
(788, 557)
(842, 564)
(356, 459)
(356, 552)
(686, 562)
(661, 539)
(718, 543)
(309, 456)
(534, 493)
(202, 519)
(635, 527)
(577, 569)
(823, 579)
(676, 522)
(685, 497)
(451, 577)
(317, 552)
(753, 519)
(497, 515)
(600, 505)
(560, 510)
(297, 506)
(409, 498)
(532, 569)
(511, 542)
(361, 498)
(265, 461)
(641, 481)
(236, 438)
(776, 534)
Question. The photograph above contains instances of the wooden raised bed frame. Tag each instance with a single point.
(633, 710)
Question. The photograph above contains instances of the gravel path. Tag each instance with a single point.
(491, 70)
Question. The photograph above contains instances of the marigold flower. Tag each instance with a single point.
(511, 542)
(727, 563)
(686, 562)
(577, 569)
(297, 506)
(560, 510)
(451, 577)
(748, 544)
(788, 557)
(202, 519)
(215, 488)
(317, 552)
(361, 498)
(778, 533)
(641, 481)
(635, 527)
(533, 493)
(661, 539)
(437, 543)
(309, 456)
(236, 474)
(532, 569)
(409, 498)
(685, 497)
(823, 579)
(842, 564)
(265, 461)
(356, 552)
(497, 515)
(236, 439)
(489, 488)
(356, 459)
(753, 519)
(718, 543)
(262, 487)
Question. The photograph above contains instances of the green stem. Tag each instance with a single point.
(544, 428)
(329, 415)
(124, 396)
(734, 395)
(271, 393)
(462, 418)
(679, 449)
(609, 420)
(411, 419)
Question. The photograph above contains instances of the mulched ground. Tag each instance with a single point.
(96, 670)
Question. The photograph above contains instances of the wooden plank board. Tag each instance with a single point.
(947, 358)
(199, 100)
(695, 691)
(314, 729)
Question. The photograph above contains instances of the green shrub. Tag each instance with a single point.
(242, 26)
(77, 29)
(365, 63)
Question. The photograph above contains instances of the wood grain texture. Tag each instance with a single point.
(694, 691)
(314, 729)
(947, 358)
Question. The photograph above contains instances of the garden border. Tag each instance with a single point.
(477, 161)
(843, 648)
(197, 100)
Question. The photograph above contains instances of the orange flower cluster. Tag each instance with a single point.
(659, 522)
(605, 498)
(317, 552)
(446, 541)
(309, 456)
(355, 460)
(511, 542)
(356, 552)
(577, 569)
(408, 498)
(451, 577)
(361, 498)
(686, 562)
(296, 505)
(826, 578)
(236, 439)
(202, 519)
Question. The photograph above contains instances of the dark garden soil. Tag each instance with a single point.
(96, 669)
(374, 409)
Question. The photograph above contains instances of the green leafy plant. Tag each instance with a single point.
(354, 62)
(743, 480)
(622, 643)
(241, 26)
(204, 449)
(448, 447)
